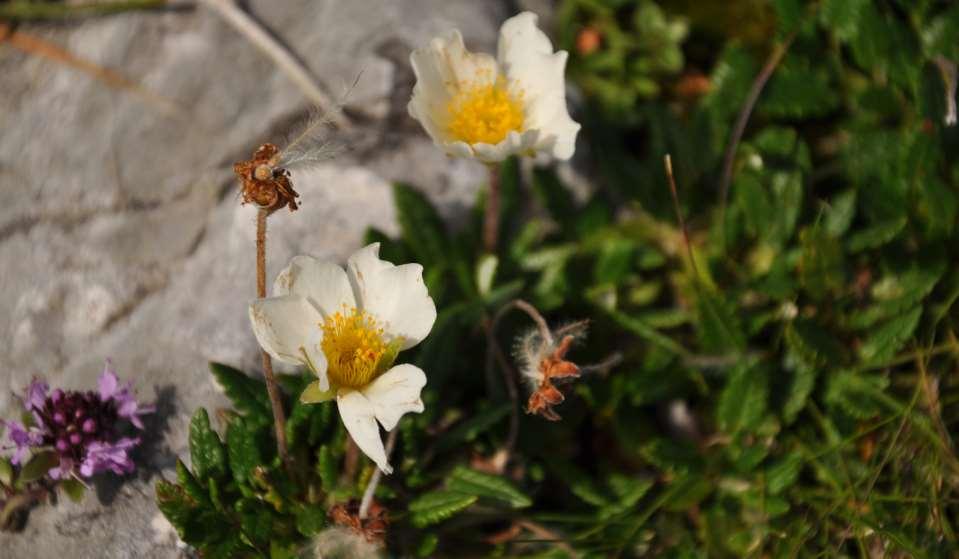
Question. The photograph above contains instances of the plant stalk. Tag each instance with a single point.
(279, 418)
(375, 479)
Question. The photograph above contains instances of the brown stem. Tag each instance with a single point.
(760, 82)
(491, 217)
(279, 419)
(495, 352)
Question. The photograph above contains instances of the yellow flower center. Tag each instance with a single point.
(354, 348)
(484, 114)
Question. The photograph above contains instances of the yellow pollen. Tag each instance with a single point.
(484, 114)
(353, 345)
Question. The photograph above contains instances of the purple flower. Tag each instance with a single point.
(23, 440)
(83, 428)
(102, 456)
(127, 405)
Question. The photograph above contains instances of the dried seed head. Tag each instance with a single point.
(264, 183)
(543, 362)
(373, 527)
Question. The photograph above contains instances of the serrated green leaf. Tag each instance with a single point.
(247, 394)
(838, 216)
(719, 327)
(800, 387)
(783, 474)
(189, 483)
(842, 17)
(875, 236)
(243, 449)
(812, 343)
(310, 519)
(206, 451)
(327, 467)
(742, 402)
(886, 340)
(856, 393)
(472, 482)
(437, 506)
(821, 266)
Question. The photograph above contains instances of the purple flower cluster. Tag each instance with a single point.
(83, 428)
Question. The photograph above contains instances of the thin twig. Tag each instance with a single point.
(758, 84)
(547, 534)
(679, 214)
(947, 69)
(375, 479)
(39, 47)
(491, 211)
(279, 418)
(495, 352)
(247, 26)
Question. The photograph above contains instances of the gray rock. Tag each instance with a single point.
(121, 233)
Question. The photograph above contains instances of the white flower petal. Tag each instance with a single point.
(358, 418)
(323, 283)
(396, 393)
(288, 328)
(443, 68)
(395, 295)
(514, 144)
(536, 73)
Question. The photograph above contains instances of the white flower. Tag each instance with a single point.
(347, 326)
(473, 105)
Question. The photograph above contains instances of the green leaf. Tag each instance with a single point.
(875, 236)
(842, 17)
(742, 402)
(812, 343)
(886, 340)
(177, 507)
(821, 262)
(37, 467)
(427, 546)
(6, 471)
(312, 394)
(243, 449)
(719, 327)
(247, 394)
(472, 482)
(73, 488)
(838, 216)
(437, 506)
(857, 394)
(422, 227)
(783, 474)
(189, 483)
(327, 467)
(206, 451)
(645, 331)
(800, 387)
(310, 519)
(486, 273)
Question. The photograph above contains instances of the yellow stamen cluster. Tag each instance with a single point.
(484, 114)
(353, 345)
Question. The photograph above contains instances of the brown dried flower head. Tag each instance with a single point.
(263, 182)
(373, 527)
(543, 362)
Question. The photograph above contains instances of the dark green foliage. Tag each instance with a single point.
(790, 392)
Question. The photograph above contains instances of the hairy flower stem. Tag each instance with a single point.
(491, 215)
(279, 419)
(375, 479)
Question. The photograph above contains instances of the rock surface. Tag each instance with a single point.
(121, 233)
